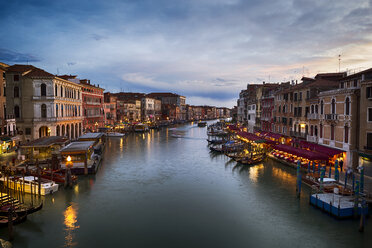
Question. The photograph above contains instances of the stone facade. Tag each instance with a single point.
(43, 104)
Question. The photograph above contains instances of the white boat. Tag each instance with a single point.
(115, 134)
(30, 184)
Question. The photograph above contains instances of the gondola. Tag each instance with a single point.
(16, 219)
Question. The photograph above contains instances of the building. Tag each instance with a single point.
(339, 118)
(109, 108)
(42, 103)
(3, 122)
(169, 99)
(365, 127)
(129, 106)
(157, 109)
(148, 109)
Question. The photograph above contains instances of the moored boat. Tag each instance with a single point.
(114, 134)
(202, 124)
(140, 127)
(30, 184)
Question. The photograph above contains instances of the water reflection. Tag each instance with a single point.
(255, 171)
(70, 221)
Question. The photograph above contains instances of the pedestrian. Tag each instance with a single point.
(341, 165)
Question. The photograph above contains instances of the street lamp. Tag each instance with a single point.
(69, 164)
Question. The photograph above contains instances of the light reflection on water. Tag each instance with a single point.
(71, 224)
(255, 171)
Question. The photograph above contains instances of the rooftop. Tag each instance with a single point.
(30, 71)
(46, 141)
(77, 146)
(91, 136)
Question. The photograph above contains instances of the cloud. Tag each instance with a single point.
(7, 55)
(209, 49)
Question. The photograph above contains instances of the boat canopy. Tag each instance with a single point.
(311, 155)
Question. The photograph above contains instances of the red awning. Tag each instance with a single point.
(311, 155)
(319, 148)
(249, 136)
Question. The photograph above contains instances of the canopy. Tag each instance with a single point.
(319, 148)
(233, 128)
(270, 135)
(311, 155)
(251, 136)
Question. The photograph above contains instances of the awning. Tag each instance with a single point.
(319, 148)
(251, 137)
(311, 155)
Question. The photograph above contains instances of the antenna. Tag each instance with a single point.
(339, 63)
(57, 71)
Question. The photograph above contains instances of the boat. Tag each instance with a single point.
(19, 209)
(202, 124)
(30, 184)
(140, 127)
(16, 219)
(57, 176)
(250, 161)
(114, 134)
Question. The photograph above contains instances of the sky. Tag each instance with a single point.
(206, 50)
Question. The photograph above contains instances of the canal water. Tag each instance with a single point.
(156, 190)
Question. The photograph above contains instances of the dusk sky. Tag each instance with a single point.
(207, 50)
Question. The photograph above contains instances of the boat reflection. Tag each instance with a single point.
(70, 221)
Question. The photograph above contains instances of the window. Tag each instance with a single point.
(61, 110)
(61, 91)
(307, 94)
(43, 89)
(300, 98)
(316, 131)
(347, 106)
(28, 131)
(332, 132)
(295, 111)
(316, 109)
(369, 92)
(57, 112)
(279, 109)
(16, 77)
(342, 85)
(295, 96)
(312, 109)
(321, 107)
(333, 106)
(43, 111)
(355, 83)
(321, 131)
(369, 114)
(369, 141)
(299, 111)
(5, 111)
(4, 91)
(16, 92)
(56, 91)
(311, 130)
(346, 138)
(16, 111)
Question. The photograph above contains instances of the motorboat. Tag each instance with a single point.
(114, 134)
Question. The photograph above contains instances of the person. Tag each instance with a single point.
(341, 165)
(349, 173)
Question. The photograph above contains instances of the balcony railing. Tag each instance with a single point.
(312, 138)
(298, 134)
(331, 117)
(313, 116)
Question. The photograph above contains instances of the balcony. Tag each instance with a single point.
(331, 117)
(312, 116)
(312, 138)
(298, 134)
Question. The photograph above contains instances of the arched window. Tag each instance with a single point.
(316, 131)
(16, 91)
(332, 132)
(306, 129)
(58, 131)
(316, 109)
(346, 138)
(320, 131)
(311, 130)
(43, 111)
(61, 91)
(333, 106)
(16, 111)
(57, 112)
(61, 110)
(43, 89)
(321, 107)
(347, 106)
(312, 109)
(56, 90)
